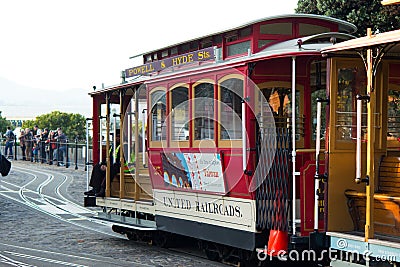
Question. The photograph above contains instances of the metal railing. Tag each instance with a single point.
(66, 154)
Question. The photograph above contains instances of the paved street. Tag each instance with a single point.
(42, 223)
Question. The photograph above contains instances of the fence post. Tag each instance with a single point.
(76, 152)
(50, 151)
(66, 154)
(15, 147)
(58, 152)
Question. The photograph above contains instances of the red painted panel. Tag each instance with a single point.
(307, 173)
(394, 70)
(96, 127)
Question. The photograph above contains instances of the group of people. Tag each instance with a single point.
(38, 145)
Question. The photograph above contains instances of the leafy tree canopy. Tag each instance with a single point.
(364, 14)
(73, 125)
(3, 124)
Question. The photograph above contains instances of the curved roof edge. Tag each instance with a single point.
(366, 41)
(344, 26)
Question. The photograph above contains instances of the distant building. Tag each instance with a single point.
(17, 121)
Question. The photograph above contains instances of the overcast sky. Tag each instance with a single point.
(58, 44)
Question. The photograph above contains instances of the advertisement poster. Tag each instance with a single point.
(196, 171)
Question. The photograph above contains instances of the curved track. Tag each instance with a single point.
(57, 194)
(47, 193)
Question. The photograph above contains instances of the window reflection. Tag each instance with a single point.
(231, 93)
(158, 114)
(204, 111)
(318, 90)
(280, 101)
(351, 81)
(180, 114)
(393, 131)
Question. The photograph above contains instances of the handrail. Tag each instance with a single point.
(317, 176)
(144, 137)
(244, 144)
(294, 145)
(317, 150)
(358, 138)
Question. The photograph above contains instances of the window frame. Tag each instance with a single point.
(224, 143)
(206, 143)
(172, 142)
(153, 143)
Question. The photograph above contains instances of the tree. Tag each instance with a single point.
(3, 124)
(73, 125)
(364, 14)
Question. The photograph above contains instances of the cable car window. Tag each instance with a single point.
(277, 28)
(393, 131)
(280, 101)
(306, 29)
(158, 114)
(179, 114)
(231, 93)
(351, 81)
(239, 48)
(393, 106)
(204, 111)
(318, 90)
(262, 43)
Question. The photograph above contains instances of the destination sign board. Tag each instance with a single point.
(180, 60)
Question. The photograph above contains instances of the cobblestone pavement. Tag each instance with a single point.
(24, 226)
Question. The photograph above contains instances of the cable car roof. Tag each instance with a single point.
(367, 41)
(343, 26)
(295, 47)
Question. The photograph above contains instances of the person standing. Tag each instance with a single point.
(10, 136)
(60, 151)
(28, 144)
(22, 143)
(43, 138)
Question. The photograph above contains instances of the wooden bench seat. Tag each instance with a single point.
(386, 200)
(144, 187)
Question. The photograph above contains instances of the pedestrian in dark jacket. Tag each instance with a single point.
(98, 179)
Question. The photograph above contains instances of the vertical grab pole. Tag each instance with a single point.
(244, 148)
(129, 132)
(294, 145)
(101, 139)
(358, 146)
(115, 138)
(317, 151)
(143, 137)
(86, 155)
(108, 161)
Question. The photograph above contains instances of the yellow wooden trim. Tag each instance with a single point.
(390, 2)
(201, 82)
(178, 143)
(206, 143)
(370, 188)
(121, 147)
(176, 85)
(230, 76)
